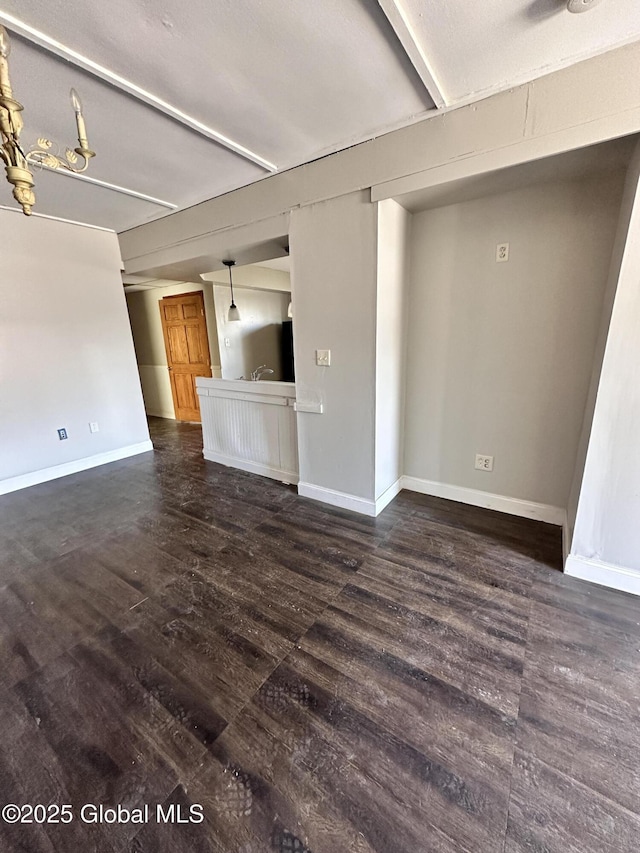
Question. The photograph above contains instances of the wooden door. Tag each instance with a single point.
(185, 338)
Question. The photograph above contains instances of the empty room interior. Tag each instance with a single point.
(320, 405)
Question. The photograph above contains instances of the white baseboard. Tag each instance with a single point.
(604, 574)
(153, 414)
(23, 481)
(501, 503)
(386, 497)
(566, 540)
(251, 467)
(340, 499)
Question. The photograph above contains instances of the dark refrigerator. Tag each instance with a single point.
(288, 369)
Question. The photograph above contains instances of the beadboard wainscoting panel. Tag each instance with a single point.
(251, 429)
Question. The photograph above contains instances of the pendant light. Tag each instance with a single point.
(234, 314)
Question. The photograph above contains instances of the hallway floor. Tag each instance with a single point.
(176, 632)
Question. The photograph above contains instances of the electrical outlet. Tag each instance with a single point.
(62, 434)
(502, 253)
(93, 427)
(323, 357)
(484, 463)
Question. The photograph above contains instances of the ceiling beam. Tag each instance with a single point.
(58, 49)
(399, 20)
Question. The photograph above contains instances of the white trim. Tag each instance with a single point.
(211, 386)
(170, 416)
(487, 500)
(604, 574)
(80, 176)
(387, 496)
(308, 408)
(59, 49)
(397, 17)
(340, 499)
(251, 467)
(23, 481)
(56, 219)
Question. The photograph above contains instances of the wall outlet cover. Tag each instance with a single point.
(93, 427)
(484, 463)
(502, 253)
(323, 357)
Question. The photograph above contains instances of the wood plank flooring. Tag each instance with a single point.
(174, 632)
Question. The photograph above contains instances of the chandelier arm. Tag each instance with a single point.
(53, 161)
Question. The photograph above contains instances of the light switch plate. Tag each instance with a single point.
(323, 357)
(93, 427)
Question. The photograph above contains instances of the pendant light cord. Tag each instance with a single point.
(233, 304)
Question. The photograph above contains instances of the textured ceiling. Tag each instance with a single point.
(482, 47)
(288, 81)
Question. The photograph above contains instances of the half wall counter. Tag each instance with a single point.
(250, 425)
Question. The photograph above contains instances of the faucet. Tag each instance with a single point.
(259, 372)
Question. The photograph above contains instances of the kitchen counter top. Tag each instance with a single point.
(217, 387)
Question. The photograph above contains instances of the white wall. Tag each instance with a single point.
(66, 354)
(394, 235)
(606, 540)
(151, 354)
(333, 280)
(620, 243)
(500, 355)
(256, 338)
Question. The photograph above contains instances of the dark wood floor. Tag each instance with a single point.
(173, 631)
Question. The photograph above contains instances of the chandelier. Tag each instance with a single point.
(17, 163)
